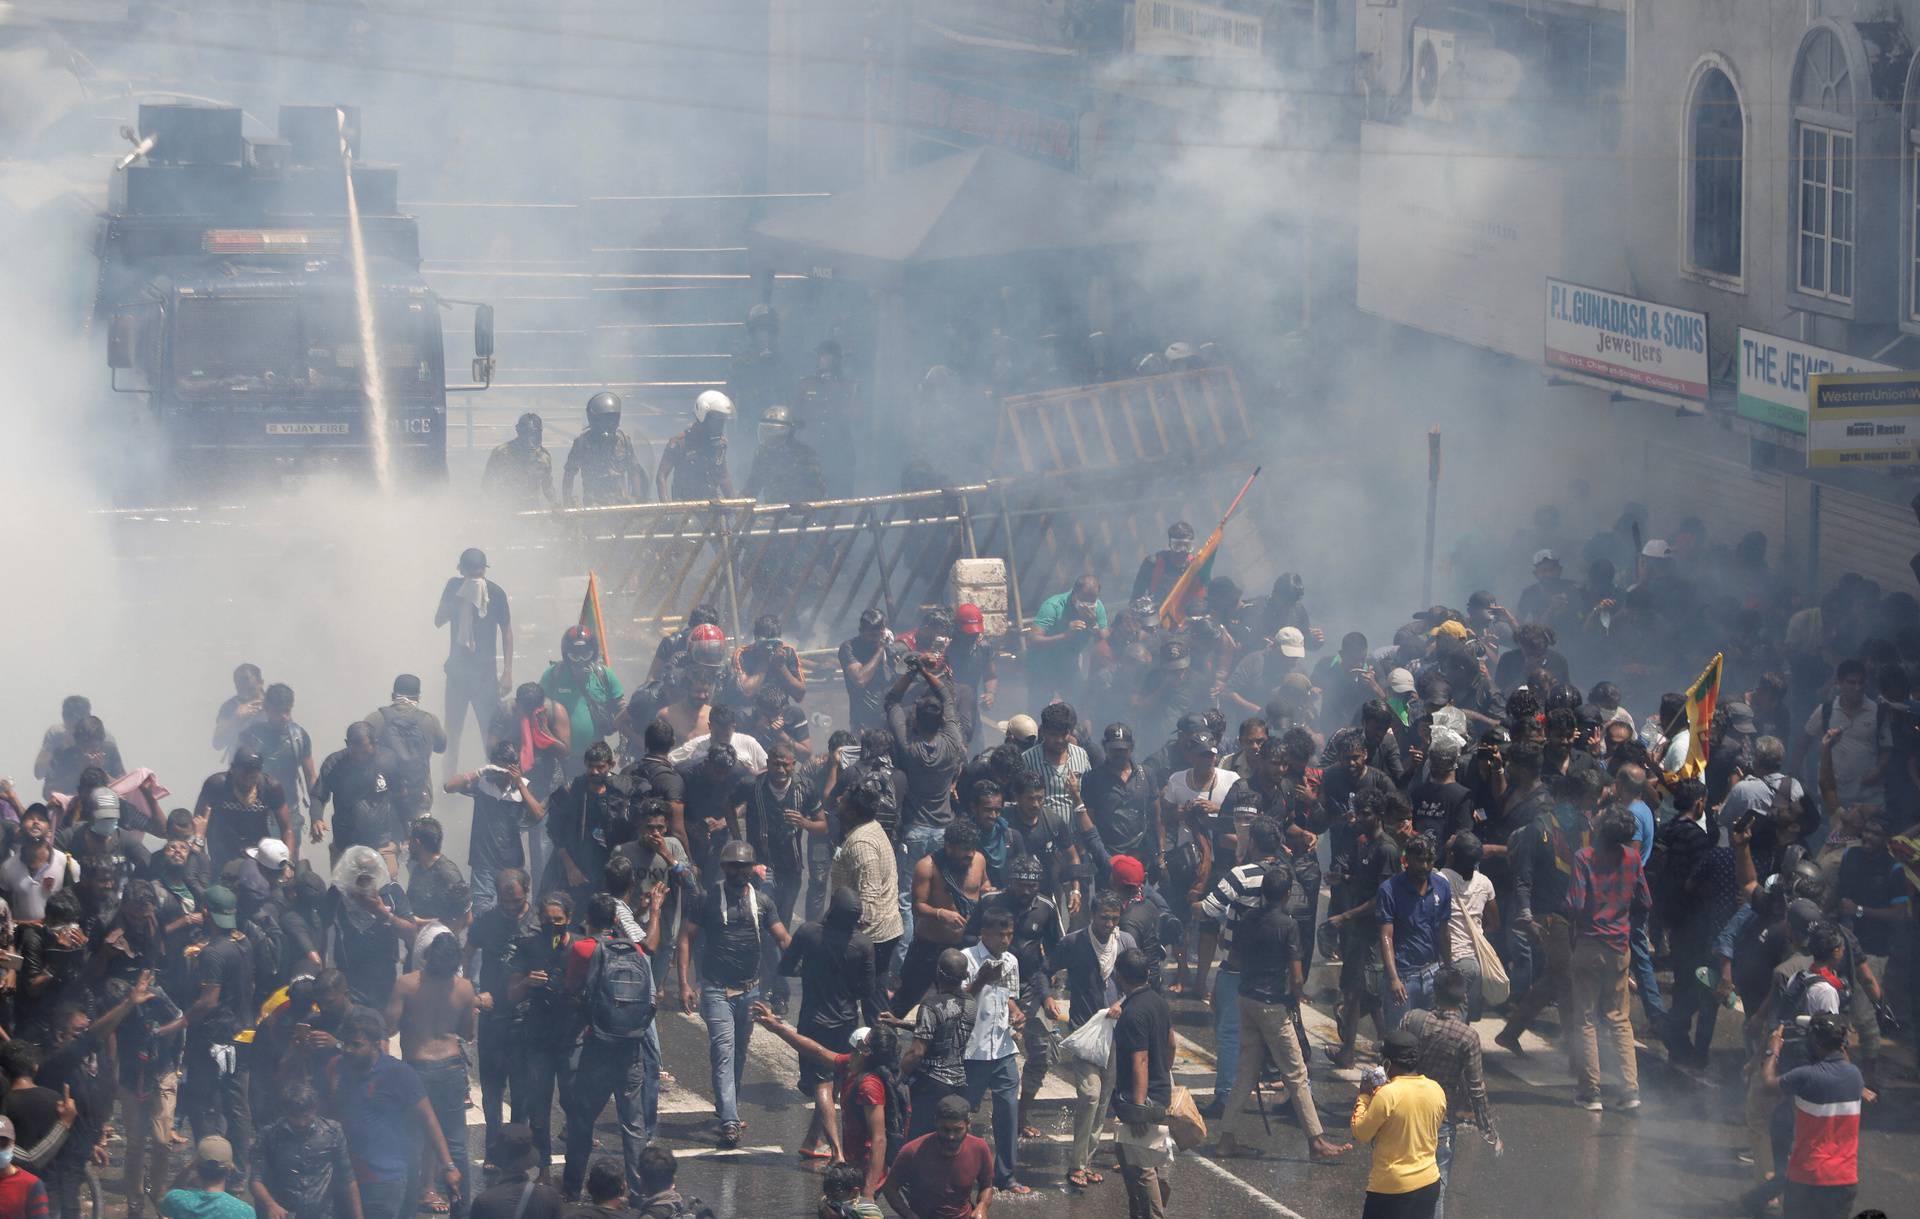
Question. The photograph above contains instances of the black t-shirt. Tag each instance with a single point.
(503, 1202)
(1368, 862)
(731, 934)
(588, 823)
(361, 794)
(77, 1067)
(1442, 810)
(34, 1112)
(235, 823)
(496, 840)
(1267, 945)
(710, 795)
(366, 947)
(494, 933)
(229, 963)
(1512, 670)
(836, 978)
(478, 660)
(1121, 809)
(1146, 1023)
(867, 705)
(776, 843)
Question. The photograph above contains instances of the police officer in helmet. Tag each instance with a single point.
(603, 458)
(519, 473)
(786, 469)
(695, 463)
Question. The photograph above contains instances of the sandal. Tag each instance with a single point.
(1081, 1178)
(433, 1204)
(814, 1153)
(1029, 1132)
(1016, 1190)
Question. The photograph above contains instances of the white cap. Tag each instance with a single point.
(1400, 682)
(859, 1039)
(1544, 555)
(271, 853)
(1290, 642)
(1656, 548)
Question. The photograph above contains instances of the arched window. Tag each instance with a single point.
(1716, 176)
(1823, 160)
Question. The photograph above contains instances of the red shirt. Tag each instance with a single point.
(854, 1095)
(939, 1186)
(22, 1196)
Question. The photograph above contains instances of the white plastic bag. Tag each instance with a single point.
(1091, 1043)
(1495, 987)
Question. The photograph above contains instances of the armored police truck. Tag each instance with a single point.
(228, 294)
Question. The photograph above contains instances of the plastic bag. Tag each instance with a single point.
(1092, 1042)
(1495, 987)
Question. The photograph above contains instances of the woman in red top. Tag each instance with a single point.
(867, 1087)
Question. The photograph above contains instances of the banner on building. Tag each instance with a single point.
(1859, 419)
(1179, 27)
(1454, 241)
(1776, 374)
(1640, 348)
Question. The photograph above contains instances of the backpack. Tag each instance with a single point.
(899, 1109)
(404, 733)
(619, 990)
(678, 1206)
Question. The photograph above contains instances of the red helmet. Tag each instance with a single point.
(707, 645)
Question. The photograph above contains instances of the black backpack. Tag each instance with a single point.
(404, 732)
(679, 1207)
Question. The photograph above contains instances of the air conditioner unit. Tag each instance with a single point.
(1433, 60)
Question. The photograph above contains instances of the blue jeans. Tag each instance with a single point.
(915, 845)
(630, 1072)
(1443, 1153)
(389, 1199)
(1517, 950)
(729, 1028)
(1640, 965)
(481, 880)
(1226, 1030)
(445, 1081)
(1469, 967)
(1002, 1077)
(1419, 984)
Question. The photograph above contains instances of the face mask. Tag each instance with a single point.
(6, 1156)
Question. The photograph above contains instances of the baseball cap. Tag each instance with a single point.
(213, 1152)
(512, 1148)
(970, 620)
(1741, 717)
(1020, 727)
(1204, 742)
(1400, 681)
(6, 1130)
(473, 557)
(1801, 915)
(271, 853)
(1656, 548)
(1290, 642)
(1126, 870)
(1452, 627)
(246, 759)
(1403, 1048)
(1190, 723)
(1118, 734)
(1545, 556)
(1587, 715)
(1026, 868)
(223, 908)
(736, 852)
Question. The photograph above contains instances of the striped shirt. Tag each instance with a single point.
(1059, 803)
(1235, 899)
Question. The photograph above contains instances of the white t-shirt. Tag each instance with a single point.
(1180, 789)
(1470, 898)
(751, 753)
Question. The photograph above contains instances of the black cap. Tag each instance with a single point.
(246, 759)
(1403, 1048)
(1589, 716)
(1191, 723)
(1203, 740)
(473, 557)
(1118, 734)
(407, 686)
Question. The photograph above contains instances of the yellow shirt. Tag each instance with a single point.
(1402, 1120)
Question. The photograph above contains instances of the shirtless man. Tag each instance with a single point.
(940, 909)
(435, 1010)
(688, 712)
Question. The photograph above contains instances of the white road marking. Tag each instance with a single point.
(1246, 1187)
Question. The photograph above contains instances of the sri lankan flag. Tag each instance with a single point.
(590, 615)
(1702, 696)
(1192, 584)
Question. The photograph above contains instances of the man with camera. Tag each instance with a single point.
(768, 663)
(931, 751)
(1066, 625)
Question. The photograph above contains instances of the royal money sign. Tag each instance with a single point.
(1776, 375)
(1858, 419)
(1640, 348)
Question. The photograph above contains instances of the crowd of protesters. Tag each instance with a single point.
(1188, 808)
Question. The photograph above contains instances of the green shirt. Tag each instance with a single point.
(601, 687)
(203, 1204)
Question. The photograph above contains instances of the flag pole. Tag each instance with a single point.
(1433, 509)
(1180, 586)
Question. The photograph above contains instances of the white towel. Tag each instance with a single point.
(469, 612)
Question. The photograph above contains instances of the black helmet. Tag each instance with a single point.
(604, 403)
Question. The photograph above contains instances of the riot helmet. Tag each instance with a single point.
(713, 405)
(603, 411)
(776, 425)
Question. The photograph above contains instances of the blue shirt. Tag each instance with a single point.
(1419, 919)
(379, 1110)
(1642, 827)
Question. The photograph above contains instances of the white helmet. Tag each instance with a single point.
(712, 402)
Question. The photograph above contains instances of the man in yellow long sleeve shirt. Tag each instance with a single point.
(1401, 1118)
